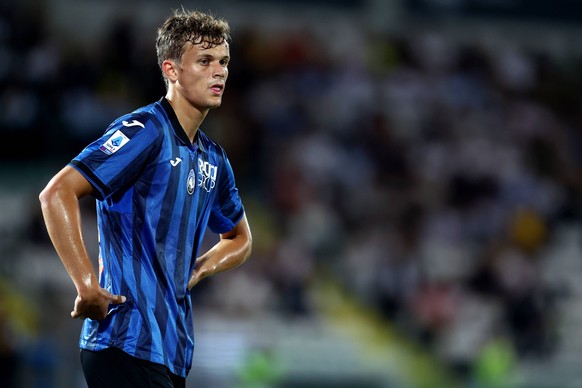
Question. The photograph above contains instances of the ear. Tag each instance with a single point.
(169, 68)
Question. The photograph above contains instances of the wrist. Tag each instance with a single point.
(87, 284)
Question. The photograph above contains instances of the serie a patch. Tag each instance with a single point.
(114, 143)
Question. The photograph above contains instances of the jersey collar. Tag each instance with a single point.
(178, 130)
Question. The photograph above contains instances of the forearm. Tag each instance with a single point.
(62, 217)
(232, 250)
(225, 255)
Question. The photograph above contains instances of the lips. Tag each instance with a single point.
(217, 88)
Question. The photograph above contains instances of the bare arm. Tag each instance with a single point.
(233, 248)
(60, 208)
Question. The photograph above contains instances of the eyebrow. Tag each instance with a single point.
(210, 56)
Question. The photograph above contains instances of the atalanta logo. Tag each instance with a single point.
(191, 182)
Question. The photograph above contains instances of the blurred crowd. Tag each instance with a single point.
(425, 175)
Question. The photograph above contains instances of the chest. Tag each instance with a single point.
(184, 173)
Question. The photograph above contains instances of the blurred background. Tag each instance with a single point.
(410, 170)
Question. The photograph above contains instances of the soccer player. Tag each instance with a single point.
(159, 182)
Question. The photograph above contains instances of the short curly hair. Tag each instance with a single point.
(189, 26)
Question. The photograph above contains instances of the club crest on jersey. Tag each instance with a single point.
(114, 143)
(206, 175)
(191, 182)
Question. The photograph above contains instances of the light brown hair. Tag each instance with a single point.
(188, 26)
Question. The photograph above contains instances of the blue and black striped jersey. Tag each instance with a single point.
(156, 193)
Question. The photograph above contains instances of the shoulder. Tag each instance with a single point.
(149, 119)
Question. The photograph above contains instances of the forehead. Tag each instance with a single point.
(221, 50)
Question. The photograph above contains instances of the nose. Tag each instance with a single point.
(220, 71)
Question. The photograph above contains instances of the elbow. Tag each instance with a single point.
(245, 249)
(45, 196)
(52, 195)
(249, 248)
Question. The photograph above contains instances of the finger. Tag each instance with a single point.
(117, 299)
(194, 280)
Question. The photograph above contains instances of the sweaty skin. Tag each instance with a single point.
(61, 211)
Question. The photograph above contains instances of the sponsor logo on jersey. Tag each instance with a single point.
(114, 143)
(206, 175)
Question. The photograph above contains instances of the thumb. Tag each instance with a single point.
(117, 299)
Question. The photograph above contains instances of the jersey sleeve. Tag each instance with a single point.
(113, 162)
(227, 209)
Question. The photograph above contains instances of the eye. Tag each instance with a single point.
(224, 62)
(204, 61)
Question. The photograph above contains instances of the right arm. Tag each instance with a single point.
(62, 215)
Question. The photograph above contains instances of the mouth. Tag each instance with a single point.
(217, 88)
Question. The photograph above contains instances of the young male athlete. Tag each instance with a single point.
(159, 182)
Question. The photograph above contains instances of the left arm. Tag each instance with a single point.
(233, 248)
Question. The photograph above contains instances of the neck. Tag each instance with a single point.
(189, 116)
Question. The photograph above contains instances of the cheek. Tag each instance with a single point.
(192, 81)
